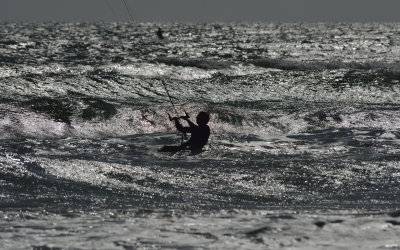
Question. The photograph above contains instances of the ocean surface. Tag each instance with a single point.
(304, 150)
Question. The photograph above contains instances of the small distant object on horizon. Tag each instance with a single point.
(160, 33)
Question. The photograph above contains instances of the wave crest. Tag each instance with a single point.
(318, 65)
(196, 63)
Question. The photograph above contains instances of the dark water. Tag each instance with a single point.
(304, 117)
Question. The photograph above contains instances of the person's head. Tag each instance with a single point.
(202, 118)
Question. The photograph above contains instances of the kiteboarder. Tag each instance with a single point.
(199, 133)
(160, 33)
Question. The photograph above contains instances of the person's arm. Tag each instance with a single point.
(179, 126)
(191, 124)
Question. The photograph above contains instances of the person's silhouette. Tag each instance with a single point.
(199, 133)
(160, 33)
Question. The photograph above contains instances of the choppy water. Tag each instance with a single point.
(304, 117)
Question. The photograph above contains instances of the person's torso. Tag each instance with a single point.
(199, 136)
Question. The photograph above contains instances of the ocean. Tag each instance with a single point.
(303, 152)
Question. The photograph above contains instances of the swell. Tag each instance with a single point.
(95, 117)
(28, 184)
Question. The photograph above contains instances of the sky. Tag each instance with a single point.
(202, 10)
